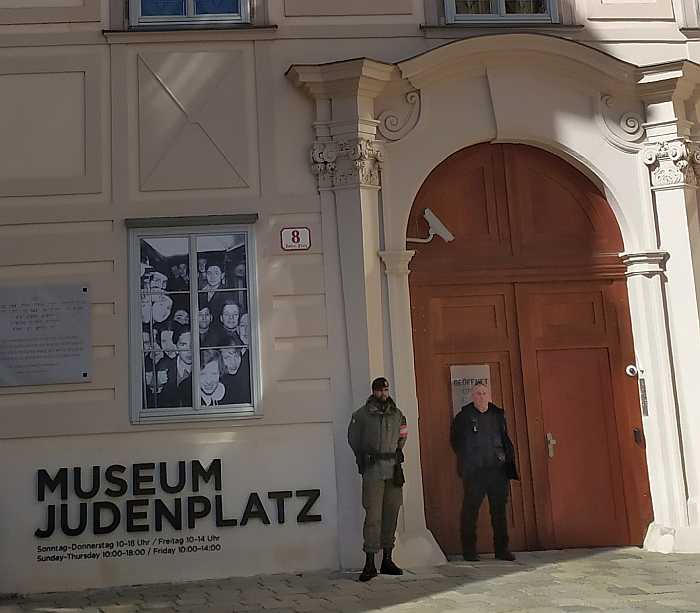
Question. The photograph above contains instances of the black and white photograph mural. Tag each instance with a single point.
(195, 321)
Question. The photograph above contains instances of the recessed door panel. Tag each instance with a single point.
(583, 464)
(464, 326)
(572, 411)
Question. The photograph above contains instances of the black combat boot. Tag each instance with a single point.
(505, 555)
(388, 567)
(471, 556)
(370, 570)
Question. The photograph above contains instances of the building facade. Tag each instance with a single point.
(260, 171)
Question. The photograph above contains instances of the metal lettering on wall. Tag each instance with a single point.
(195, 499)
(44, 335)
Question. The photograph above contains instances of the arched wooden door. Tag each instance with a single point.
(533, 286)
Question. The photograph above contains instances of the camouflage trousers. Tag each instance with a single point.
(381, 500)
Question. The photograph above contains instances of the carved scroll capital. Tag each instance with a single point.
(673, 163)
(347, 162)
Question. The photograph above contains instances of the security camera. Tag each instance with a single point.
(435, 226)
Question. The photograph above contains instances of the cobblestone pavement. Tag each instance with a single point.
(622, 580)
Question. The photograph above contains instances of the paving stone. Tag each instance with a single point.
(313, 604)
(625, 591)
(615, 581)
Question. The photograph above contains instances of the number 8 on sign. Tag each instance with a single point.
(295, 239)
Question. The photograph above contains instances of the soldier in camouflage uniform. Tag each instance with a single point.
(377, 434)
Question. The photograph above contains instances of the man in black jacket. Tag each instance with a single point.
(486, 463)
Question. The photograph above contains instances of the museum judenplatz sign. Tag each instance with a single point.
(150, 507)
(147, 496)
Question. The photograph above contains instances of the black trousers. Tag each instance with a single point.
(491, 482)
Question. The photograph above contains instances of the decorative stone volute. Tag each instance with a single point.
(621, 124)
(392, 127)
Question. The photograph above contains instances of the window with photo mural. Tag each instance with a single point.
(194, 300)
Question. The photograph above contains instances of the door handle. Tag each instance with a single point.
(551, 442)
(638, 436)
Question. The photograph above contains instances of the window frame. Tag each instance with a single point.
(170, 228)
(500, 16)
(136, 19)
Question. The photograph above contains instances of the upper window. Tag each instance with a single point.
(193, 346)
(496, 10)
(144, 12)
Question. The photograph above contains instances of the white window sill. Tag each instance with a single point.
(457, 30)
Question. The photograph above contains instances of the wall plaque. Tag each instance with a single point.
(44, 335)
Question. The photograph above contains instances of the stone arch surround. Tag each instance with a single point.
(610, 119)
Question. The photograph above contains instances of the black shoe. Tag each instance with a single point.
(368, 572)
(389, 568)
(471, 556)
(505, 555)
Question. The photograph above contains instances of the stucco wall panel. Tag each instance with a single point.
(49, 11)
(306, 8)
(195, 118)
(298, 401)
(40, 111)
(296, 274)
(189, 112)
(51, 118)
(299, 316)
(295, 363)
(47, 228)
(624, 9)
(64, 249)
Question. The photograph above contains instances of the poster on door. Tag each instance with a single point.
(463, 378)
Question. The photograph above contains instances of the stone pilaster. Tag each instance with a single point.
(671, 156)
(415, 544)
(646, 272)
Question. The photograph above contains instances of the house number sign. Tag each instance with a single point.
(296, 239)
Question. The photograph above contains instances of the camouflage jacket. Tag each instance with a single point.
(377, 434)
